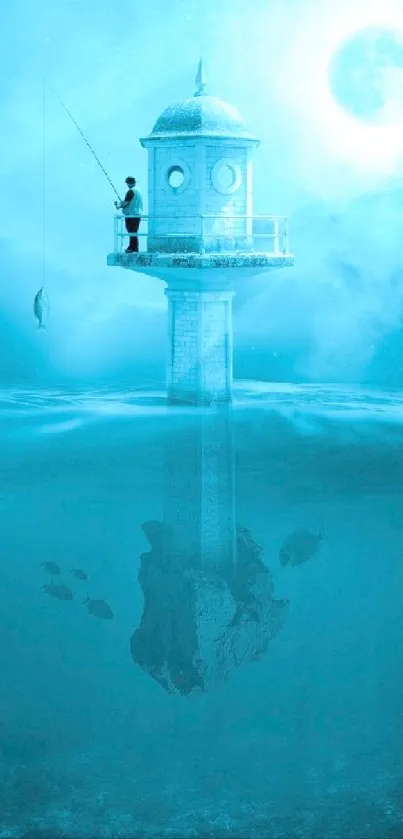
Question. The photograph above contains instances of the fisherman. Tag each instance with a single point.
(132, 206)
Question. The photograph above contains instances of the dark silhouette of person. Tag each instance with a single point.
(132, 206)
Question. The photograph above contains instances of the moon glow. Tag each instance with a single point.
(366, 75)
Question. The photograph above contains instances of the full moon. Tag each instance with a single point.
(366, 75)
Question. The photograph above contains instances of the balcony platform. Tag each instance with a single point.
(165, 264)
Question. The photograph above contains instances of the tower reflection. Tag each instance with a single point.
(209, 603)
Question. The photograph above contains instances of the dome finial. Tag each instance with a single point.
(200, 80)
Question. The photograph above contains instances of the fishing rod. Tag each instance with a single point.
(85, 140)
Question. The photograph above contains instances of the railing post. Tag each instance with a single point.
(276, 238)
(285, 250)
(115, 234)
(202, 233)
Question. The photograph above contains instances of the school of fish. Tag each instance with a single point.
(297, 548)
(98, 608)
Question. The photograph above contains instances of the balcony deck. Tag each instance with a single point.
(247, 243)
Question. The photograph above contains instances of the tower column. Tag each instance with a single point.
(200, 345)
(199, 497)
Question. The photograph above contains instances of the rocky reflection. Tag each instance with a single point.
(209, 603)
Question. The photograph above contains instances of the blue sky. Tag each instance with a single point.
(337, 314)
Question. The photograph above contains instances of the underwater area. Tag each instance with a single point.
(306, 740)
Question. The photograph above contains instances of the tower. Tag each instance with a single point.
(202, 237)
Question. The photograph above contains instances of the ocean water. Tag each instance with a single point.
(304, 742)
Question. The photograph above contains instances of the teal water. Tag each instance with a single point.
(305, 742)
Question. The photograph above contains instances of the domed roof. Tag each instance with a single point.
(201, 115)
(204, 115)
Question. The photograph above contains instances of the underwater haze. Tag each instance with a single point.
(304, 742)
(147, 690)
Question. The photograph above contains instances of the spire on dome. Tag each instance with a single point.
(201, 79)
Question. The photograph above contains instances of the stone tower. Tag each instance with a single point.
(202, 237)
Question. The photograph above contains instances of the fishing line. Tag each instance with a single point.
(41, 301)
(63, 104)
(43, 181)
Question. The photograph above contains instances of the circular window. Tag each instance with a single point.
(176, 176)
(226, 176)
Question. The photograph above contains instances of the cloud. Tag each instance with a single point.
(331, 312)
(95, 328)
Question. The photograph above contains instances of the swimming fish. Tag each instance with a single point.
(277, 616)
(41, 307)
(51, 567)
(77, 572)
(300, 546)
(60, 591)
(99, 609)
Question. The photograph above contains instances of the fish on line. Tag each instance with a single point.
(41, 307)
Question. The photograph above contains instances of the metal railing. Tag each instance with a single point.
(207, 234)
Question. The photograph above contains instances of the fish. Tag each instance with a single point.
(60, 591)
(77, 572)
(41, 307)
(300, 546)
(51, 567)
(277, 616)
(98, 608)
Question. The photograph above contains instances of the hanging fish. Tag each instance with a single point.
(300, 546)
(60, 591)
(41, 307)
(77, 572)
(99, 609)
(51, 567)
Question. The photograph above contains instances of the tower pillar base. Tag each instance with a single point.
(200, 346)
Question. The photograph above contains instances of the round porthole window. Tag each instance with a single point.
(226, 176)
(178, 176)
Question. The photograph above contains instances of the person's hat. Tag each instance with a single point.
(130, 181)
